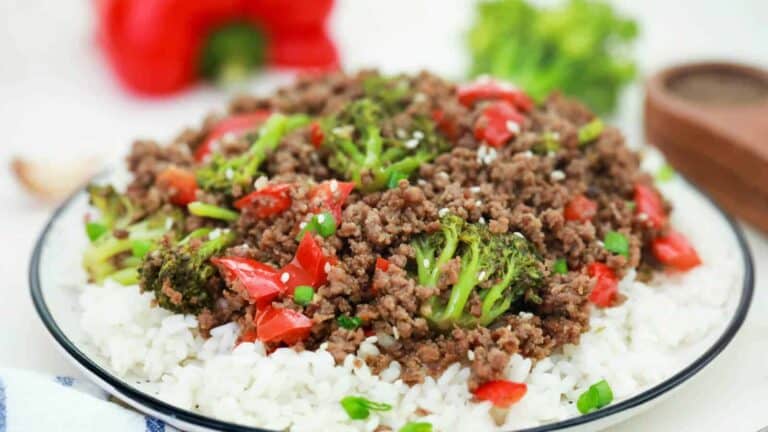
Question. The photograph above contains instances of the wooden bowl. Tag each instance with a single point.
(711, 122)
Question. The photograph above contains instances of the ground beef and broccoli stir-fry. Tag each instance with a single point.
(454, 223)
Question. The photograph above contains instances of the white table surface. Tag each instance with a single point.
(58, 102)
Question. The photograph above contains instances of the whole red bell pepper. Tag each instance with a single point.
(162, 46)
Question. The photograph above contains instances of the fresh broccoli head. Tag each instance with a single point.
(360, 152)
(498, 268)
(118, 241)
(179, 274)
(221, 174)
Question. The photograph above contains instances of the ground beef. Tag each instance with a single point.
(514, 189)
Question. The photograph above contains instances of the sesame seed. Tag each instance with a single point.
(525, 315)
(642, 217)
(334, 185)
(549, 153)
(528, 153)
(343, 131)
(395, 333)
(401, 133)
(478, 203)
(303, 225)
(481, 276)
(418, 134)
(443, 174)
(323, 346)
(411, 143)
(214, 234)
(519, 234)
(229, 137)
(474, 189)
(320, 218)
(600, 243)
(419, 97)
(168, 223)
(229, 173)
(471, 355)
(557, 175)
(442, 212)
(513, 127)
(284, 277)
(260, 182)
(327, 267)
(425, 262)
(481, 220)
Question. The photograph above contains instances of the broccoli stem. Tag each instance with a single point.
(126, 276)
(216, 244)
(491, 310)
(468, 278)
(201, 209)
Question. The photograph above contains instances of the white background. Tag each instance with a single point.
(58, 102)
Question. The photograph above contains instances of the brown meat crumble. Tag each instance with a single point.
(513, 189)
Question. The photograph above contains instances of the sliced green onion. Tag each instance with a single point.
(630, 205)
(140, 248)
(597, 396)
(126, 276)
(394, 179)
(561, 266)
(416, 427)
(617, 243)
(323, 224)
(590, 131)
(326, 224)
(303, 295)
(359, 408)
(94, 230)
(665, 173)
(201, 209)
(348, 322)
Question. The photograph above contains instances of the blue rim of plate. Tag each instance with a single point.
(164, 408)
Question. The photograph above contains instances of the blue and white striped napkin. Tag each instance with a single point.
(31, 401)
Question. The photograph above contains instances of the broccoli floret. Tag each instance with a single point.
(361, 154)
(179, 274)
(498, 268)
(118, 245)
(222, 174)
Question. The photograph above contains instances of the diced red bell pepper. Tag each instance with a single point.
(445, 124)
(498, 123)
(330, 195)
(606, 286)
(382, 264)
(308, 266)
(261, 281)
(248, 336)
(316, 134)
(649, 203)
(268, 201)
(501, 393)
(580, 208)
(675, 251)
(487, 89)
(281, 325)
(180, 183)
(236, 125)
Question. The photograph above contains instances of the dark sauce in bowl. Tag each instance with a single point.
(718, 87)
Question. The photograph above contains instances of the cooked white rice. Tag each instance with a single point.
(660, 328)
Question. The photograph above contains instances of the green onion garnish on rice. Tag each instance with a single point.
(597, 396)
(95, 230)
(617, 243)
(416, 427)
(665, 173)
(359, 408)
